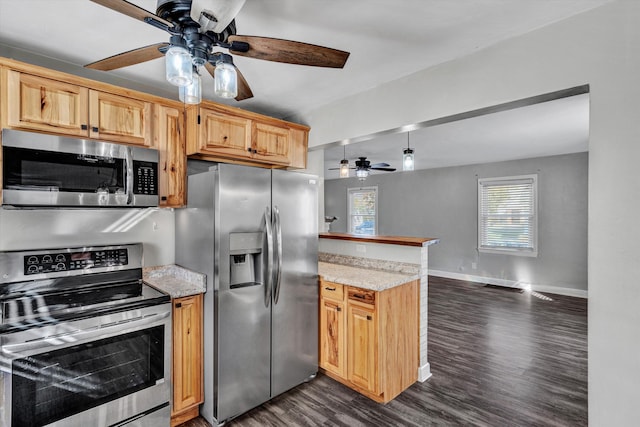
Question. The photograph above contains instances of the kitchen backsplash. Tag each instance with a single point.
(53, 228)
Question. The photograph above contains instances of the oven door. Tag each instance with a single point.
(99, 371)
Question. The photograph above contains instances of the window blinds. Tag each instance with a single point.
(507, 213)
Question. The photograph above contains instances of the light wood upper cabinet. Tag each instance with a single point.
(220, 134)
(169, 138)
(37, 103)
(48, 105)
(187, 358)
(271, 143)
(119, 119)
(299, 143)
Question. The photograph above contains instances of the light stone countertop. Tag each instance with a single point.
(365, 278)
(174, 280)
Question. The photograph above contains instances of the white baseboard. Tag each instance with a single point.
(512, 284)
(424, 372)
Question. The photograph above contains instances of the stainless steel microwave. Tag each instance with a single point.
(49, 170)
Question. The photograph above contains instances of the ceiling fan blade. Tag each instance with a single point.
(132, 10)
(290, 52)
(380, 165)
(244, 91)
(132, 57)
(383, 169)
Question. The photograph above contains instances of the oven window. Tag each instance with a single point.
(50, 386)
(52, 171)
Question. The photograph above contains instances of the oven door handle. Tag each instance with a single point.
(78, 336)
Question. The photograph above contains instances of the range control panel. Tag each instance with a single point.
(65, 261)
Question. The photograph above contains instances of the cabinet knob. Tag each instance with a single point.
(94, 129)
(330, 289)
(338, 308)
(84, 127)
(249, 149)
(369, 317)
(178, 304)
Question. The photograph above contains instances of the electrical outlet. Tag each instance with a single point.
(361, 248)
(474, 265)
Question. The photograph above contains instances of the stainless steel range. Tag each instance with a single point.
(83, 340)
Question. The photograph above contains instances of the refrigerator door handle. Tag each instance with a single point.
(269, 255)
(278, 243)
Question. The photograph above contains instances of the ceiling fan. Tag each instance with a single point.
(363, 166)
(196, 28)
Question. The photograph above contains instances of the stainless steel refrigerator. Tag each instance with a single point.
(254, 233)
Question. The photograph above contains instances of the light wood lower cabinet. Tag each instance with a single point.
(373, 348)
(187, 359)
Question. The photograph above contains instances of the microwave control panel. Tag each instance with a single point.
(65, 261)
(145, 178)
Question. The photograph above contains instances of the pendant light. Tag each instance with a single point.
(225, 77)
(407, 157)
(192, 94)
(344, 164)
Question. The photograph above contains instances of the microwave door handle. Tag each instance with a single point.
(129, 176)
(78, 335)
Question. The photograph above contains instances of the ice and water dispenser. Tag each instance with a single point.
(245, 251)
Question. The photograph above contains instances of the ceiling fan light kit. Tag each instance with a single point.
(197, 27)
(178, 63)
(192, 93)
(225, 78)
(362, 174)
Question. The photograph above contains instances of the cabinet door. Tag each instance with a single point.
(361, 347)
(170, 141)
(332, 337)
(187, 352)
(37, 103)
(224, 135)
(119, 119)
(271, 143)
(298, 153)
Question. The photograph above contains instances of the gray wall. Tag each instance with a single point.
(443, 203)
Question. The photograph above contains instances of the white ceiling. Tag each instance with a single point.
(387, 39)
(548, 128)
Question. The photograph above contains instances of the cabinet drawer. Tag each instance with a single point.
(364, 296)
(334, 291)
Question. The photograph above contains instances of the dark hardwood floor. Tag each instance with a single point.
(499, 357)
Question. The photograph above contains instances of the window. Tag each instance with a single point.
(507, 215)
(363, 210)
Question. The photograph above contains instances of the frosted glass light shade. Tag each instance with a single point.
(225, 80)
(178, 66)
(362, 174)
(344, 168)
(191, 94)
(407, 160)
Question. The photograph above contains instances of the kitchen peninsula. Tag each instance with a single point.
(380, 282)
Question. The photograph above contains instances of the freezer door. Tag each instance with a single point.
(294, 340)
(243, 310)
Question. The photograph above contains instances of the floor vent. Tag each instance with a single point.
(505, 288)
